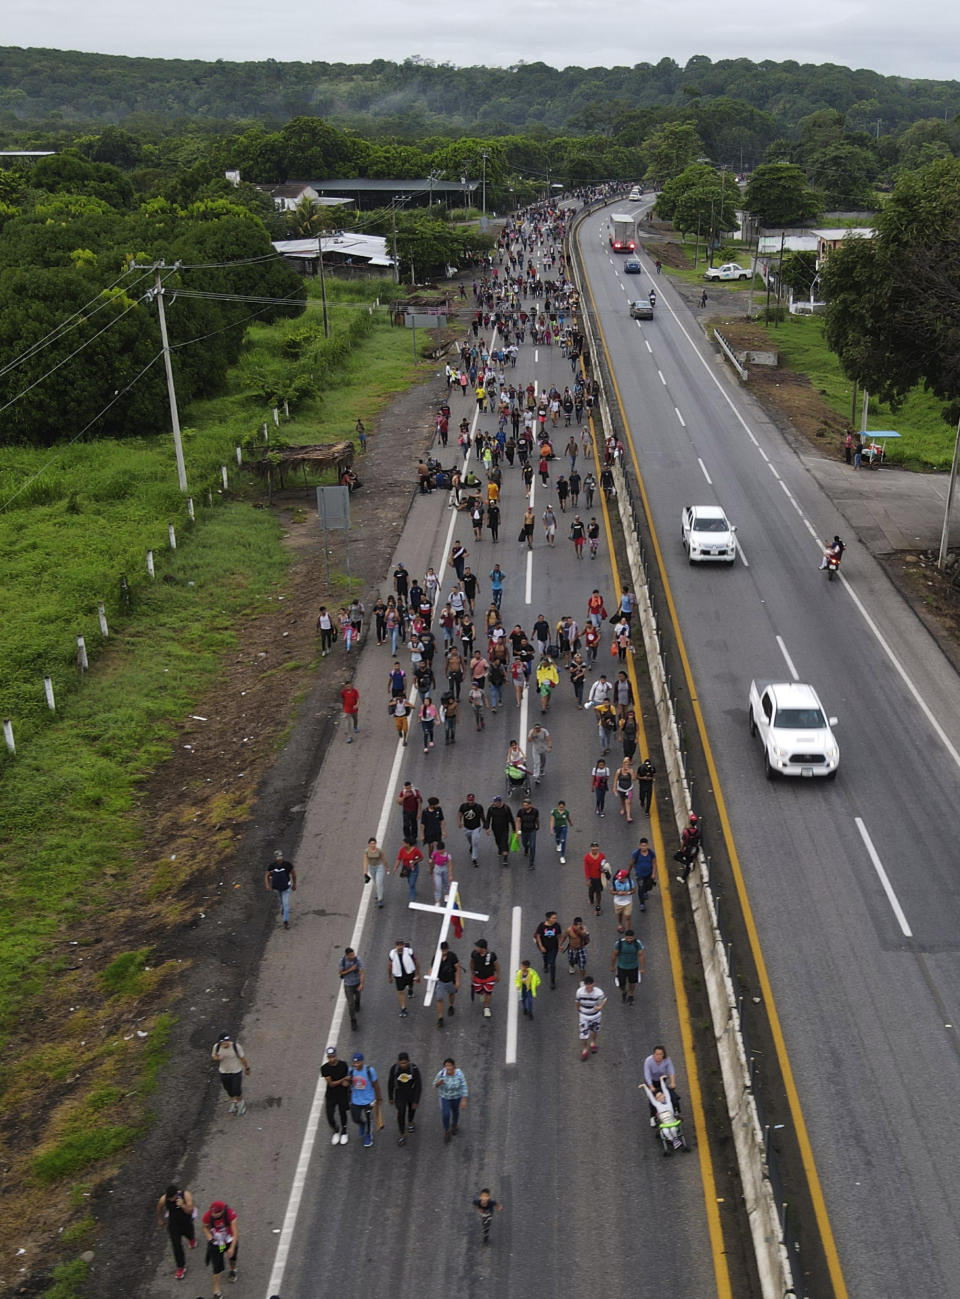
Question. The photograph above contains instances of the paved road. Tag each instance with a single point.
(869, 1009)
(563, 1143)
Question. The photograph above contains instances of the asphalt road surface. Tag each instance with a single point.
(563, 1143)
(853, 884)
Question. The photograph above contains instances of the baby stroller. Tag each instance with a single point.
(668, 1125)
(518, 780)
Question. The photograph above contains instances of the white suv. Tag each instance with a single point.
(707, 536)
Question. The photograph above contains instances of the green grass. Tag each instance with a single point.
(68, 1280)
(78, 518)
(926, 440)
(78, 1150)
(731, 253)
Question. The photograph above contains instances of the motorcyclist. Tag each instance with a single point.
(653, 297)
(834, 550)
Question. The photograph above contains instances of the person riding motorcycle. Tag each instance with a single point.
(653, 297)
(833, 554)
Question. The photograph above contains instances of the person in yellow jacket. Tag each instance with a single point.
(527, 981)
(548, 678)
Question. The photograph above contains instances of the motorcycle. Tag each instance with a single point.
(832, 565)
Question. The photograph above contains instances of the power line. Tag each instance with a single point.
(79, 317)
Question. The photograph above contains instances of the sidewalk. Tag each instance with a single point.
(888, 509)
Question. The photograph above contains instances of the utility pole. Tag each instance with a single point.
(396, 262)
(484, 156)
(323, 285)
(945, 533)
(171, 390)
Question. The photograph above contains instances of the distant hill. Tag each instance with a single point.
(61, 89)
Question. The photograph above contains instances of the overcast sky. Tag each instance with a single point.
(919, 40)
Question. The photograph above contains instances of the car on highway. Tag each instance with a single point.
(729, 271)
(707, 535)
(642, 309)
(632, 266)
(794, 730)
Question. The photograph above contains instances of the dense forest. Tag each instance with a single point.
(407, 101)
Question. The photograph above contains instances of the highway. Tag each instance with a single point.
(853, 884)
(563, 1143)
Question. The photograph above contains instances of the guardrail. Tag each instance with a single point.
(728, 352)
(772, 1232)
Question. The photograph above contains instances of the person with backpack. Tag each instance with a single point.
(627, 964)
(364, 1092)
(404, 1086)
(689, 847)
(175, 1208)
(220, 1229)
(281, 878)
(232, 1064)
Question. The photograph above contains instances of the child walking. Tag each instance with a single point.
(486, 1206)
(527, 981)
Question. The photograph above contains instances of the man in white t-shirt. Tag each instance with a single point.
(403, 969)
(590, 1003)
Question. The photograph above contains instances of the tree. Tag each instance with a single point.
(778, 195)
(844, 174)
(670, 148)
(798, 271)
(893, 303)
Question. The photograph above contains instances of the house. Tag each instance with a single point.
(345, 250)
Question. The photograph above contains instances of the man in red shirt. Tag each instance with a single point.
(351, 707)
(594, 863)
(220, 1228)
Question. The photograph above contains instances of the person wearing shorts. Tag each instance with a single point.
(627, 962)
(575, 940)
(403, 970)
(220, 1229)
(448, 982)
(623, 888)
(485, 969)
(590, 1003)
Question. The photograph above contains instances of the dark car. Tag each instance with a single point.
(642, 309)
(632, 266)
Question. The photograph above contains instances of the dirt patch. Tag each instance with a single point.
(232, 789)
(934, 596)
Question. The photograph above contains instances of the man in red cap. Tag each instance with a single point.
(220, 1229)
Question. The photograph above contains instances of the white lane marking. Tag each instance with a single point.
(884, 879)
(783, 650)
(703, 468)
(871, 624)
(638, 325)
(902, 673)
(746, 562)
(536, 355)
(662, 379)
(512, 1000)
(528, 584)
(647, 341)
(683, 422)
(298, 1184)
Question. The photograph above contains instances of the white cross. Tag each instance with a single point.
(447, 911)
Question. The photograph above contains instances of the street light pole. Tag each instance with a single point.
(484, 155)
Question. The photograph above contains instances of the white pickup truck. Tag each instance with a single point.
(729, 271)
(794, 730)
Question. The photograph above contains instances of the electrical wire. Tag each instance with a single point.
(79, 317)
(76, 437)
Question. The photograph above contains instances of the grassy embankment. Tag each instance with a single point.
(77, 1076)
(926, 440)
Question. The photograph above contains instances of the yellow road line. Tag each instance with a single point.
(793, 1098)
(708, 1180)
